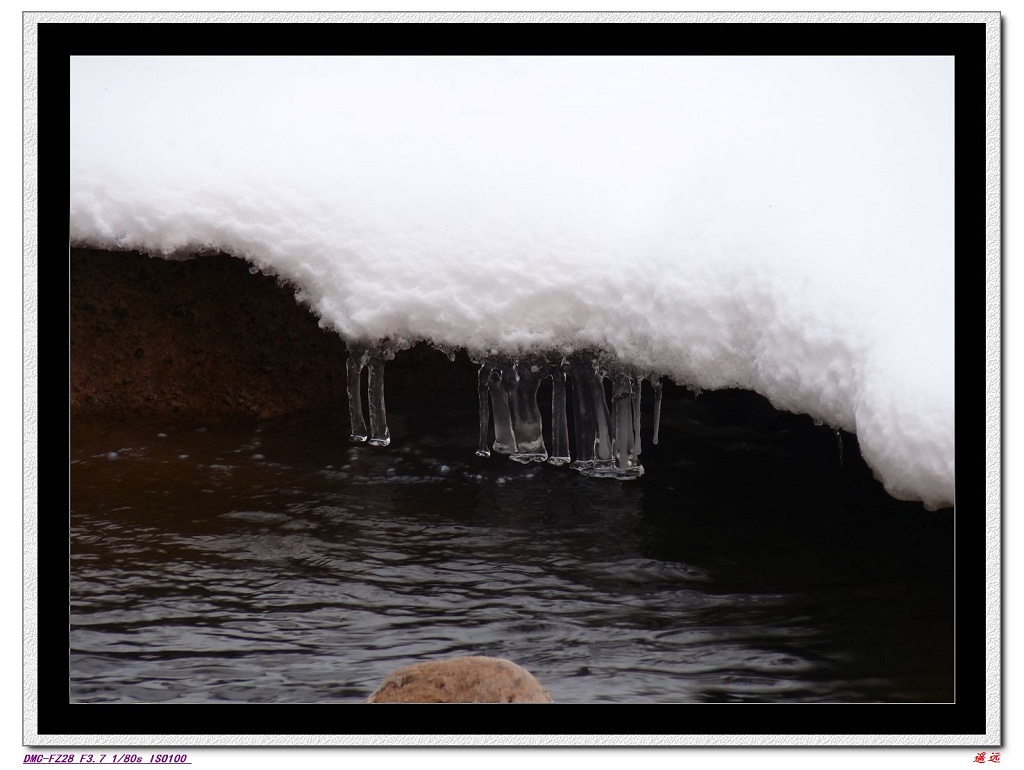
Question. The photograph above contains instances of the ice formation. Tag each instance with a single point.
(373, 360)
(779, 224)
(607, 441)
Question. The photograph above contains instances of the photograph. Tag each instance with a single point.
(616, 365)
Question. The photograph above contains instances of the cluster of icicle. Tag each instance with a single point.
(607, 440)
(360, 358)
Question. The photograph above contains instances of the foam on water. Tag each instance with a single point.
(783, 225)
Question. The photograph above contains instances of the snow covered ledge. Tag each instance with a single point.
(779, 225)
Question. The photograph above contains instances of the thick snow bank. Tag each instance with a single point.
(778, 224)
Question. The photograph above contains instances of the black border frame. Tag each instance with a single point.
(964, 41)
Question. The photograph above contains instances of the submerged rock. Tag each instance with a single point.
(470, 679)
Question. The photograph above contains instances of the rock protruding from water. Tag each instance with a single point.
(470, 679)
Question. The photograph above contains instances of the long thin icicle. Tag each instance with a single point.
(526, 420)
(626, 424)
(583, 413)
(504, 438)
(379, 434)
(485, 416)
(622, 417)
(637, 382)
(559, 423)
(656, 384)
(594, 376)
(354, 367)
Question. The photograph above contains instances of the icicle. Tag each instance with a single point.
(603, 419)
(622, 417)
(583, 412)
(354, 367)
(656, 384)
(504, 439)
(526, 420)
(635, 399)
(607, 441)
(609, 437)
(379, 434)
(839, 440)
(595, 440)
(625, 464)
(559, 424)
(485, 417)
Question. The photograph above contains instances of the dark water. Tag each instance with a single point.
(274, 562)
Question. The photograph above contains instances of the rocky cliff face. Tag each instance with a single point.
(204, 336)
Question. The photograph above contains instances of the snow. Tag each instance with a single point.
(779, 224)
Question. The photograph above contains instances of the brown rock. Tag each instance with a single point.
(471, 679)
(204, 336)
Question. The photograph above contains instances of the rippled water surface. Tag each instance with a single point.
(274, 562)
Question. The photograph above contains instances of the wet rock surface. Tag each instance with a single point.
(471, 679)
